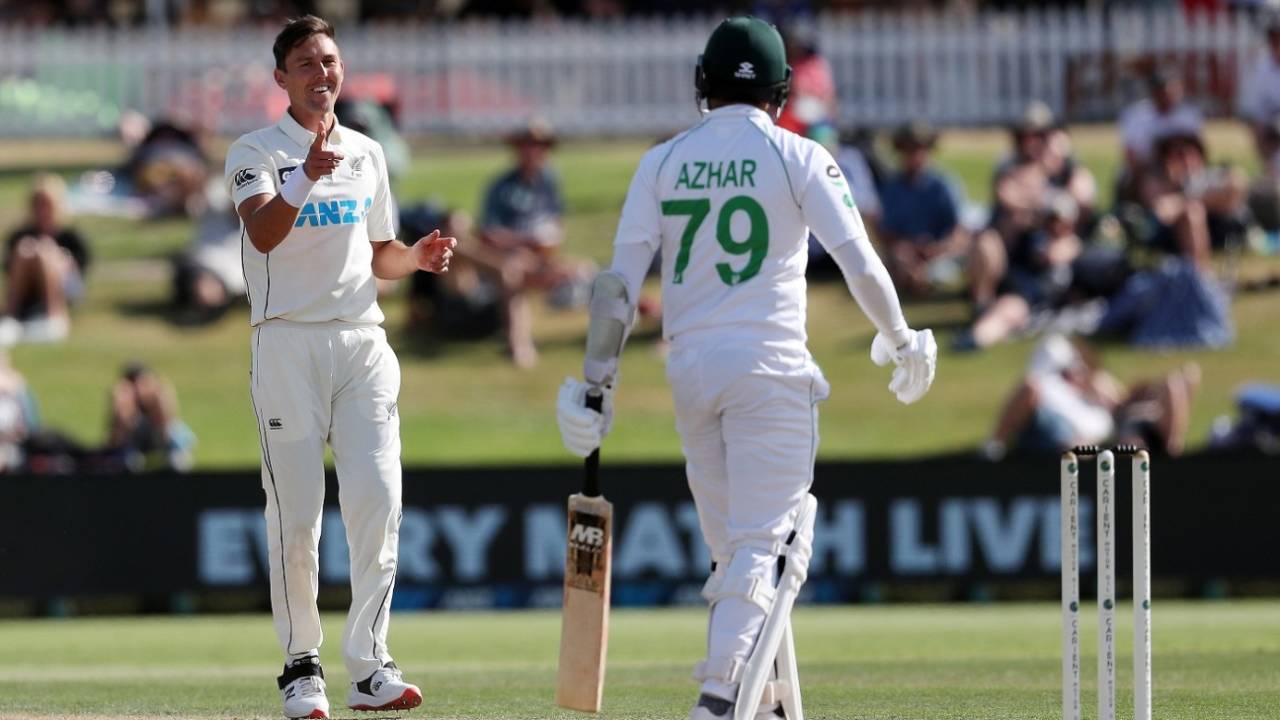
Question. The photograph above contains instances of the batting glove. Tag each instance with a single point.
(582, 429)
(916, 361)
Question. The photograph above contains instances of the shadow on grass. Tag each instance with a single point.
(424, 344)
(178, 317)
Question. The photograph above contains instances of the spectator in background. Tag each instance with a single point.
(522, 225)
(1066, 399)
(1067, 175)
(812, 98)
(1038, 278)
(1259, 100)
(144, 422)
(1143, 124)
(1041, 166)
(44, 264)
(17, 416)
(919, 227)
(1192, 207)
(1264, 192)
(471, 300)
(26, 446)
(167, 166)
(208, 277)
(1020, 186)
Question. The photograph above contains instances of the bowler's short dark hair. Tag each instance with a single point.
(295, 32)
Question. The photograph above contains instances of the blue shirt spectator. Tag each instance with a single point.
(919, 207)
(924, 243)
(524, 204)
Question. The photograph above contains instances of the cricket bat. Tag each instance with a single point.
(584, 625)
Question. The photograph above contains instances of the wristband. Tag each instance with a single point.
(296, 188)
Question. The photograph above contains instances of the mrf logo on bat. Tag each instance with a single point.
(585, 563)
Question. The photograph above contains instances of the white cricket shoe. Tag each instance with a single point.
(384, 690)
(302, 688)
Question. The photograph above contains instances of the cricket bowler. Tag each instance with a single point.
(730, 204)
(317, 229)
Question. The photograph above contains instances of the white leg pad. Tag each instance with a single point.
(727, 670)
(776, 632)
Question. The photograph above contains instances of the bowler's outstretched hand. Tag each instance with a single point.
(432, 252)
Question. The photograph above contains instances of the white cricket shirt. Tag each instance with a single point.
(323, 270)
(1259, 99)
(1142, 125)
(730, 203)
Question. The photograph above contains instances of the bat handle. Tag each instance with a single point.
(591, 466)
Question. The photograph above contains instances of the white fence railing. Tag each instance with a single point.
(622, 77)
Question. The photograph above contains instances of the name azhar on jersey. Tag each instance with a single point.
(333, 212)
(700, 175)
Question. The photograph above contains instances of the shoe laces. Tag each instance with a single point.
(391, 672)
(309, 685)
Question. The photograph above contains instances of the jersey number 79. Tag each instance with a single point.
(755, 246)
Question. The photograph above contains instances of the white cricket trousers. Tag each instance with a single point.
(748, 422)
(312, 383)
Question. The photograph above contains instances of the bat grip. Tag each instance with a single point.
(591, 466)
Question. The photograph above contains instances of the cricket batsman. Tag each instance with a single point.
(730, 204)
(317, 229)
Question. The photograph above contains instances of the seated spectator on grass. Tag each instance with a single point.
(1019, 187)
(144, 423)
(471, 301)
(208, 277)
(1066, 399)
(44, 264)
(1264, 191)
(1038, 279)
(1165, 113)
(919, 227)
(1068, 175)
(17, 416)
(1259, 100)
(1192, 207)
(522, 223)
(167, 166)
(1256, 426)
(25, 445)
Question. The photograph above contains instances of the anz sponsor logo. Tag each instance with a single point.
(333, 212)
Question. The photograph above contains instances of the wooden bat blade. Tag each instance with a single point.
(584, 625)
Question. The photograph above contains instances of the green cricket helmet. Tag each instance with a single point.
(745, 60)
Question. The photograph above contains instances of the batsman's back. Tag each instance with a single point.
(727, 198)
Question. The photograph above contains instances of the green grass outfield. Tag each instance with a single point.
(1212, 661)
(463, 403)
